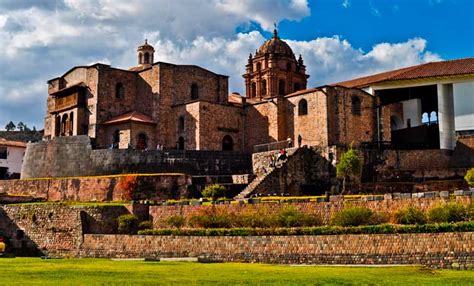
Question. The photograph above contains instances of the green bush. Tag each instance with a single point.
(177, 221)
(470, 177)
(410, 215)
(451, 212)
(214, 192)
(147, 224)
(318, 230)
(215, 220)
(127, 224)
(291, 217)
(353, 216)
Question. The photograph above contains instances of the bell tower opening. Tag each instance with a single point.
(145, 54)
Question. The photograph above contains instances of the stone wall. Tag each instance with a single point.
(74, 156)
(324, 210)
(108, 188)
(52, 229)
(445, 250)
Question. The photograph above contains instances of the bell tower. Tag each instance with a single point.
(145, 54)
(274, 70)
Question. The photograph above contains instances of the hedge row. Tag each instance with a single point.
(319, 230)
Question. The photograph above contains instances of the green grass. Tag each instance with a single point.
(34, 271)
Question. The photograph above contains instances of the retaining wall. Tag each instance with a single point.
(445, 250)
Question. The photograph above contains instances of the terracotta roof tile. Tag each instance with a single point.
(432, 69)
(4, 142)
(131, 116)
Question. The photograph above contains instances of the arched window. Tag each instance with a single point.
(227, 143)
(140, 58)
(288, 66)
(264, 87)
(425, 118)
(433, 117)
(64, 125)
(281, 87)
(181, 143)
(119, 90)
(116, 139)
(302, 107)
(194, 91)
(356, 105)
(259, 66)
(181, 123)
(147, 58)
(142, 141)
(254, 89)
(296, 87)
(71, 124)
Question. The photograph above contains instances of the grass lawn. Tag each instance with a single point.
(27, 271)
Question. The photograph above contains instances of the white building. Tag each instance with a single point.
(433, 102)
(11, 158)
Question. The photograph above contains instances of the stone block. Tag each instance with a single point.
(444, 194)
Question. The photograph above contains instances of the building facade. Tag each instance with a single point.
(11, 158)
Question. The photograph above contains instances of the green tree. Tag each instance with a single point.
(349, 165)
(10, 126)
(21, 126)
(214, 192)
(470, 177)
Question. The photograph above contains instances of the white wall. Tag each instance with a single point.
(412, 111)
(464, 106)
(14, 159)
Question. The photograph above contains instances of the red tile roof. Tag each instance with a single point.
(131, 116)
(432, 69)
(4, 142)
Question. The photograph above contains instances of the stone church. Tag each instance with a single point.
(187, 107)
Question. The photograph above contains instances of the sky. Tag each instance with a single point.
(338, 39)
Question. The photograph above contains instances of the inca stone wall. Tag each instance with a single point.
(74, 156)
(444, 250)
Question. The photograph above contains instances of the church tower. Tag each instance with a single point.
(274, 70)
(145, 54)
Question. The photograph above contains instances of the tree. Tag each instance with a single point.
(349, 165)
(21, 126)
(214, 192)
(470, 177)
(10, 126)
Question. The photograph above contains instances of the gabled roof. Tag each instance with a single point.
(8, 143)
(428, 70)
(134, 116)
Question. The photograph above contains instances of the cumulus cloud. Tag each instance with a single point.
(43, 39)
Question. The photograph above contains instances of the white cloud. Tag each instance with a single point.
(346, 4)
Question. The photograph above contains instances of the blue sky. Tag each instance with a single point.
(339, 39)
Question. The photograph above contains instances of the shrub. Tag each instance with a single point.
(127, 224)
(451, 212)
(470, 177)
(380, 218)
(177, 221)
(212, 218)
(214, 192)
(353, 216)
(147, 224)
(128, 185)
(255, 218)
(410, 215)
(291, 217)
(349, 165)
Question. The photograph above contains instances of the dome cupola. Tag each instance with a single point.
(145, 54)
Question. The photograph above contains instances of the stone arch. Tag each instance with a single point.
(227, 143)
(425, 118)
(140, 58)
(64, 121)
(302, 107)
(71, 124)
(433, 117)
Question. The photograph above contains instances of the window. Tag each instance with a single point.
(64, 125)
(227, 143)
(119, 90)
(194, 91)
(57, 125)
(264, 87)
(140, 58)
(356, 106)
(302, 107)
(259, 66)
(281, 87)
(142, 141)
(3, 153)
(147, 58)
(181, 143)
(181, 123)
(254, 89)
(71, 124)
(288, 66)
(116, 139)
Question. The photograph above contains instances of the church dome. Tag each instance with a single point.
(145, 46)
(275, 46)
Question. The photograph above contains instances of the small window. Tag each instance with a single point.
(302, 107)
(356, 105)
(181, 123)
(227, 143)
(254, 89)
(116, 139)
(181, 143)
(259, 66)
(119, 90)
(147, 58)
(3, 153)
(282, 87)
(194, 91)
